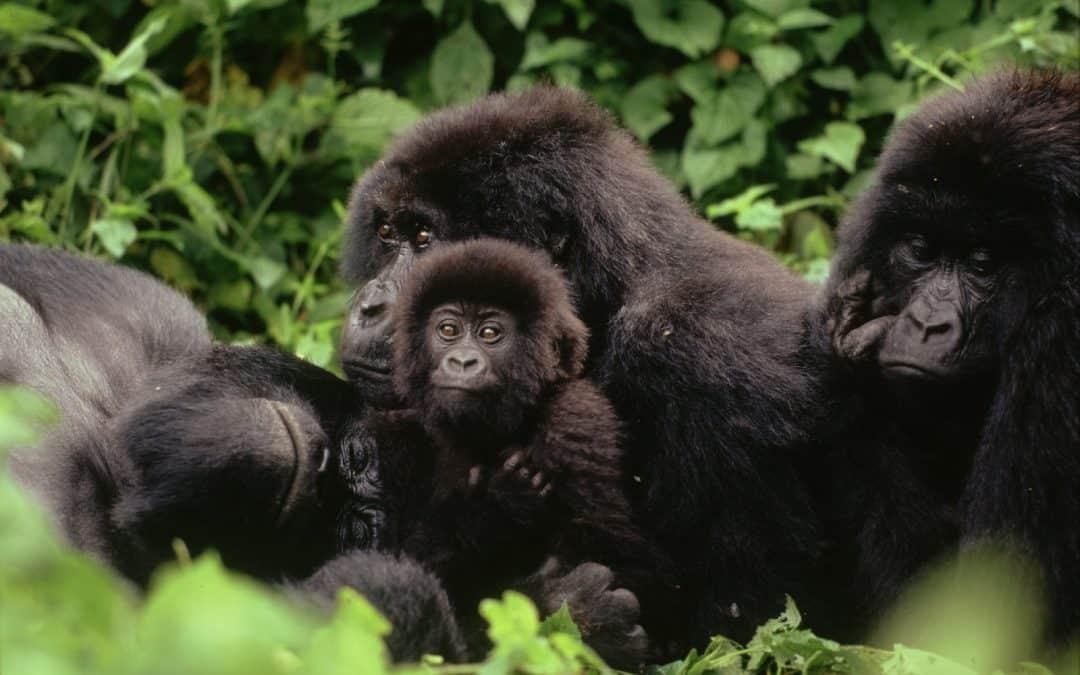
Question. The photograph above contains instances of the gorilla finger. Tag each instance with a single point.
(861, 344)
(537, 479)
(593, 575)
(513, 461)
(546, 490)
(476, 474)
(625, 603)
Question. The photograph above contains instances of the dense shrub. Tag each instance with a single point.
(213, 142)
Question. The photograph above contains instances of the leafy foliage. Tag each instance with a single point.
(213, 142)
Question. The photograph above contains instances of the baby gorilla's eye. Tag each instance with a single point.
(385, 231)
(422, 238)
(448, 329)
(490, 333)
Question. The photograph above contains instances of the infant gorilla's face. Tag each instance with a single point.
(470, 347)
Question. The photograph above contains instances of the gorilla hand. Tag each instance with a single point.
(855, 329)
(231, 473)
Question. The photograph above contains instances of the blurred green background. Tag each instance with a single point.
(214, 142)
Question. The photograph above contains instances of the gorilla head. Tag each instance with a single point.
(541, 168)
(974, 224)
(484, 330)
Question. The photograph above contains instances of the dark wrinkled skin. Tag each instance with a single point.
(953, 320)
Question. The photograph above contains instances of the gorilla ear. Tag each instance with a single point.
(570, 348)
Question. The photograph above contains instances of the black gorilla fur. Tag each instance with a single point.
(954, 311)
(165, 434)
(695, 335)
(526, 464)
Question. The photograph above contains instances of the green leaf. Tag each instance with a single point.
(560, 622)
(265, 271)
(707, 168)
(776, 62)
(322, 13)
(840, 78)
(803, 17)
(803, 167)
(829, 43)
(698, 80)
(24, 415)
(540, 52)
(775, 8)
(739, 202)
(517, 11)
(762, 216)
(23, 20)
(879, 94)
(364, 123)
(510, 620)
(840, 144)
(199, 204)
(727, 111)
(691, 26)
(462, 66)
(53, 151)
(115, 234)
(748, 30)
(351, 642)
(644, 108)
(133, 57)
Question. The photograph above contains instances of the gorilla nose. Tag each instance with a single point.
(934, 327)
(463, 363)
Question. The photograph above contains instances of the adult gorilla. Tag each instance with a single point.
(165, 434)
(694, 334)
(955, 315)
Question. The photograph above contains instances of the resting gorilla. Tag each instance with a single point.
(954, 312)
(695, 335)
(165, 434)
(504, 456)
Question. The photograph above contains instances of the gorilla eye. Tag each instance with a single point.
(981, 261)
(448, 329)
(422, 238)
(490, 333)
(920, 249)
(385, 231)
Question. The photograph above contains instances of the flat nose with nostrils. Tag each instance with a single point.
(463, 362)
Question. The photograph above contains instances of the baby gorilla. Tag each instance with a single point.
(520, 456)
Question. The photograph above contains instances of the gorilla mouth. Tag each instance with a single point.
(913, 370)
(367, 369)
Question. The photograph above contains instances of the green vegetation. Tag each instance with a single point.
(63, 613)
(213, 143)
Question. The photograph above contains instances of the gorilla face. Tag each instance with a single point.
(943, 292)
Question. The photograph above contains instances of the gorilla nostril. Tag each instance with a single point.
(371, 310)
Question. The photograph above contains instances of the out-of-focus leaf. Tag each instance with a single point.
(539, 52)
(840, 78)
(691, 26)
(365, 121)
(462, 66)
(776, 62)
(18, 19)
(803, 17)
(115, 234)
(351, 641)
(132, 57)
(840, 144)
(644, 108)
(829, 43)
(707, 168)
(517, 11)
(322, 13)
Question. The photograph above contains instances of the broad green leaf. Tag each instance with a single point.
(351, 642)
(265, 271)
(748, 30)
(775, 8)
(830, 42)
(691, 26)
(840, 144)
(776, 62)
(803, 17)
(739, 202)
(517, 11)
(879, 94)
(540, 52)
(435, 7)
(644, 108)
(115, 234)
(462, 66)
(53, 151)
(22, 20)
(560, 622)
(698, 80)
(708, 168)
(510, 620)
(727, 111)
(132, 58)
(762, 216)
(322, 13)
(24, 415)
(365, 121)
(803, 167)
(840, 78)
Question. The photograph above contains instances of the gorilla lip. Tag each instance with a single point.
(379, 370)
(906, 368)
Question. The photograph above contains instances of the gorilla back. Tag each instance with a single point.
(694, 334)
